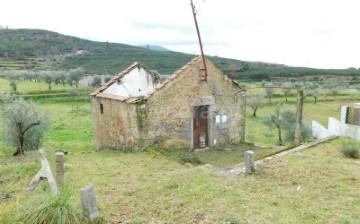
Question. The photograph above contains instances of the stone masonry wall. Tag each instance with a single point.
(169, 111)
(116, 127)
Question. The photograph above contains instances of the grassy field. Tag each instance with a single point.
(317, 185)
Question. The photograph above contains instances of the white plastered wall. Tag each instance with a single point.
(336, 127)
(138, 82)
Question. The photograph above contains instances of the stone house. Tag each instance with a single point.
(132, 111)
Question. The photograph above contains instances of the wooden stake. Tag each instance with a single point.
(199, 37)
(44, 172)
(298, 123)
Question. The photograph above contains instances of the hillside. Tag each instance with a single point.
(154, 47)
(41, 49)
(26, 48)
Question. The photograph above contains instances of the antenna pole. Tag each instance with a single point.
(199, 37)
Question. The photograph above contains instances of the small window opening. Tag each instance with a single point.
(101, 108)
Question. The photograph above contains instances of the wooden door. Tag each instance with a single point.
(200, 125)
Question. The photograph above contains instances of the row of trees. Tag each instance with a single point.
(57, 77)
(332, 86)
(62, 77)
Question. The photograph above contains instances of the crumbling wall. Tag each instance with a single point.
(115, 124)
(169, 111)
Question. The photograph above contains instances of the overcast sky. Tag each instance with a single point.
(311, 33)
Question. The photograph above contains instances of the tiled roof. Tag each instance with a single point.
(161, 85)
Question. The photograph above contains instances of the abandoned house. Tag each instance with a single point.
(132, 111)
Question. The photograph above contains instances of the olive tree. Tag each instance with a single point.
(284, 119)
(75, 76)
(269, 90)
(274, 120)
(96, 81)
(286, 88)
(23, 125)
(47, 77)
(255, 101)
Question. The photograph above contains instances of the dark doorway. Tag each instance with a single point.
(200, 124)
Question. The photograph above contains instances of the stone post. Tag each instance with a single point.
(249, 162)
(88, 201)
(59, 169)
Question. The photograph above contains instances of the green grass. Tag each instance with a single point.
(71, 127)
(229, 155)
(304, 187)
(261, 134)
(155, 187)
(48, 208)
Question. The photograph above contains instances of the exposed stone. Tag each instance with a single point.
(59, 169)
(249, 162)
(170, 111)
(88, 201)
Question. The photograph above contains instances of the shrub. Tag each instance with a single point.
(51, 209)
(23, 125)
(191, 158)
(13, 85)
(350, 149)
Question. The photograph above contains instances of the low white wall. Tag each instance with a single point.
(319, 131)
(336, 128)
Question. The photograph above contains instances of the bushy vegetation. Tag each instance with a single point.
(143, 186)
(23, 125)
(284, 120)
(45, 208)
(351, 148)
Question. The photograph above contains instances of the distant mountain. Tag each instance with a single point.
(154, 47)
(42, 49)
(31, 48)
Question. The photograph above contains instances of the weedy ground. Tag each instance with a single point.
(317, 185)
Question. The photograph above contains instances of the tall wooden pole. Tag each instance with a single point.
(199, 37)
(300, 102)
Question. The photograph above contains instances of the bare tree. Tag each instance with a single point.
(23, 124)
(255, 101)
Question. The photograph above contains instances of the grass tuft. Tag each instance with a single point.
(350, 148)
(51, 209)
